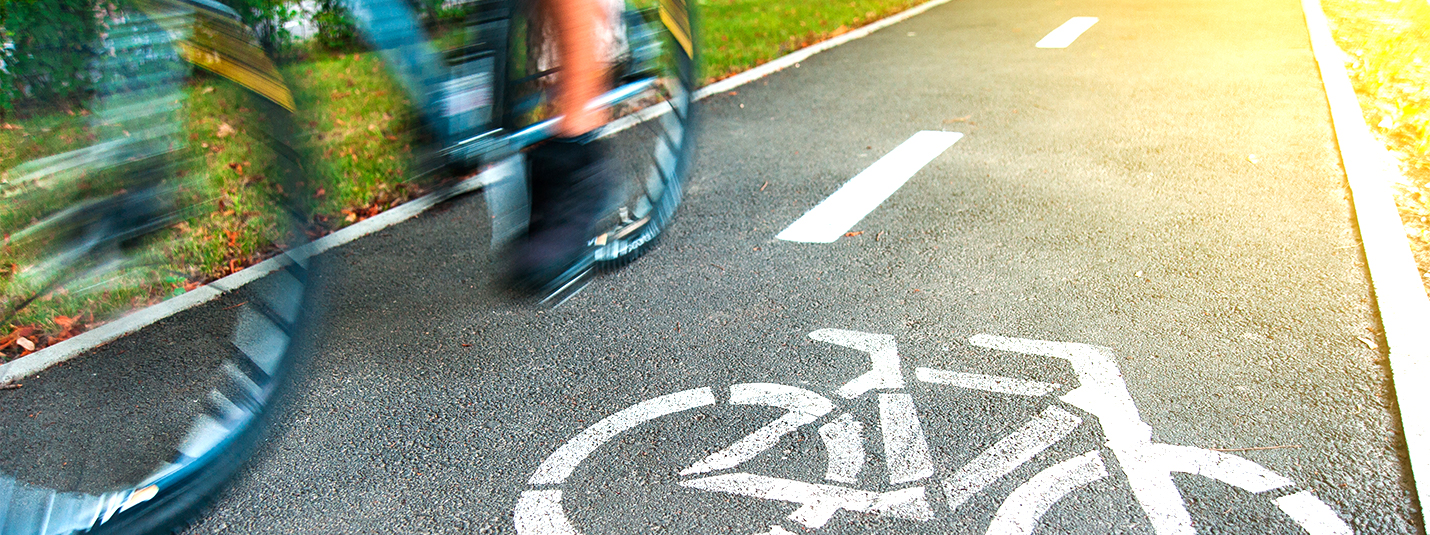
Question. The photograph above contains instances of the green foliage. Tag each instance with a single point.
(6, 79)
(266, 18)
(51, 55)
(436, 12)
(1389, 44)
(336, 28)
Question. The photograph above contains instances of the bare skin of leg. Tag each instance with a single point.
(578, 25)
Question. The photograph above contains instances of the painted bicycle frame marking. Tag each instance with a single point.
(1102, 394)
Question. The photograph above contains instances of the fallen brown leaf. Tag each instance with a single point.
(9, 339)
(224, 130)
(852, 234)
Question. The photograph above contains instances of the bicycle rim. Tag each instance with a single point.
(652, 56)
(123, 199)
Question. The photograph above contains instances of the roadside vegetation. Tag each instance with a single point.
(355, 118)
(1388, 43)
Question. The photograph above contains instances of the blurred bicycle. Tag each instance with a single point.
(99, 215)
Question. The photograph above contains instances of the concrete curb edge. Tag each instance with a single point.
(1395, 279)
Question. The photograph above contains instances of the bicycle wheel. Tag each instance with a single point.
(130, 182)
(652, 51)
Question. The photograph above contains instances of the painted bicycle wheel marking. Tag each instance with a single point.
(1101, 394)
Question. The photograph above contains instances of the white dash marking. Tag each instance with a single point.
(556, 468)
(844, 440)
(1008, 454)
(538, 512)
(1026, 505)
(867, 190)
(804, 407)
(1312, 514)
(905, 446)
(883, 359)
(1067, 33)
(988, 383)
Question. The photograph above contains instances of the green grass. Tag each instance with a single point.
(740, 34)
(357, 118)
(1388, 42)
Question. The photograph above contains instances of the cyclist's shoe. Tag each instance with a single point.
(570, 179)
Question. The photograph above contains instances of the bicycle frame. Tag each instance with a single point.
(463, 102)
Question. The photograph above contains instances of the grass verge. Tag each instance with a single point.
(1388, 42)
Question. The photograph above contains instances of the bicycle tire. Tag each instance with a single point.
(650, 141)
(105, 218)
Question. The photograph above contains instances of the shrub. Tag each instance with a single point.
(336, 29)
(266, 18)
(49, 62)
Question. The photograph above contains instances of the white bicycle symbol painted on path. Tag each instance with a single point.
(1101, 393)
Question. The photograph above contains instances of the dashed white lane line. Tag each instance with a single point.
(1067, 33)
(867, 190)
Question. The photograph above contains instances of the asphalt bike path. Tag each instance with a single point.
(1128, 298)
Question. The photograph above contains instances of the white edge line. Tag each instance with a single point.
(1395, 280)
(38, 361)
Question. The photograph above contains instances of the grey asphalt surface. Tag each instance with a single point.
(1103, 194)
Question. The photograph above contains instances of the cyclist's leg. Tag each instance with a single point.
(579, 25)
(569, 175)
